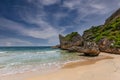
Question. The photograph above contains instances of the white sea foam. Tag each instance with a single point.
(54, 51)
(45, 67)
(14, 62)
(3, 52)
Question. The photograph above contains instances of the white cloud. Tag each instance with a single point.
(98, 6)
(91, 6)
(72, 4)
(49, 2)
(14, 42)
(44, 31)
(44, 2)
(49, 30)
(10, 24)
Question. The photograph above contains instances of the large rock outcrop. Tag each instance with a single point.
(74, 43)
(89, 49)
(106, 45)
(107, 36)
(73, 39)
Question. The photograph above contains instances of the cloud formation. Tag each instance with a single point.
(40, 21)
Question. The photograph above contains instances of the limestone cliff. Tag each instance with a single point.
(73, 39)
(74, 43)
(107, 36)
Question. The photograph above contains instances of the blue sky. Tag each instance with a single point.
(38, 22)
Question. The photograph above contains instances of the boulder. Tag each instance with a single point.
(91, 49)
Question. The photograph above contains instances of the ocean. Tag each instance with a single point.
(15, 60)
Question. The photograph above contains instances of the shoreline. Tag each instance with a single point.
(68, 69)
(85, 63)
(107, 68)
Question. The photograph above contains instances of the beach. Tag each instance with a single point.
(106, 68)
(59, 40)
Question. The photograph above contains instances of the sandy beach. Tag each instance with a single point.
(106, 68)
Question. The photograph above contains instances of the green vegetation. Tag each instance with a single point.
(110, 31)
(70, 36)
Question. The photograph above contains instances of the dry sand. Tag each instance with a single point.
(107, 68)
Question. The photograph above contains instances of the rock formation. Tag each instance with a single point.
(76, 44)
(106, 45)
(105, 38)
(73, 39)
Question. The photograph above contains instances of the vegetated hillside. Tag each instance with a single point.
(110, 30)
(70, 36)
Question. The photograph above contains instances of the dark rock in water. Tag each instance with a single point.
(73, 39)
(106, 45)
(57, 46)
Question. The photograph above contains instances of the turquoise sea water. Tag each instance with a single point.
(23, 59)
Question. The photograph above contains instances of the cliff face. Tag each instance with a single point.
(113, 16)
(75, 43)
(90, 34)
(105, 38)
(73, 39)
(109, 34)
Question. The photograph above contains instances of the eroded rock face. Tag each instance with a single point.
(75, 40)
(89, 49)
(106, 45)
(97, 38)
(76, 49)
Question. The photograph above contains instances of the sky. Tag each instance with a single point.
(39, 22)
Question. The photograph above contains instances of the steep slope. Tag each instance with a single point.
(110, 30)
(105, 38)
